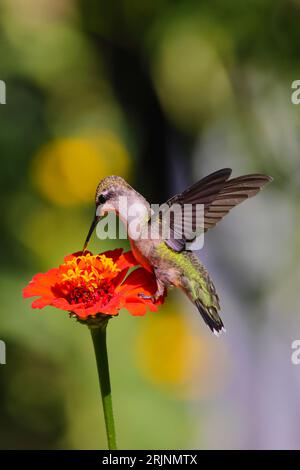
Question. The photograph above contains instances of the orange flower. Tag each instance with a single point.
(88, 284)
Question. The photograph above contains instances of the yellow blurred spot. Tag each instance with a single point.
(68, 170)
(172, 356)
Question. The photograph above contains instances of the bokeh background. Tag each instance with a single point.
(161, 93)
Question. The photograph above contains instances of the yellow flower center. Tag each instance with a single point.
(90, 269)
(86, 279)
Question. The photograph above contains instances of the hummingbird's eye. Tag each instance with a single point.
(101, 199)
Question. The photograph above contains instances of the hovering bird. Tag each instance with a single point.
(170, 259)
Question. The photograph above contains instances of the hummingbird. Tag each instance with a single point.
(170, 259)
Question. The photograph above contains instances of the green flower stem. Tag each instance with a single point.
(99, 340)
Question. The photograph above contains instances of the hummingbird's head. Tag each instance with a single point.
(107, 199)
(109, 190)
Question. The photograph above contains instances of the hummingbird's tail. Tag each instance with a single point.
(211, 317)
(200, 289)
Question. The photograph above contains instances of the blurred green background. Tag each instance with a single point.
(161, 93)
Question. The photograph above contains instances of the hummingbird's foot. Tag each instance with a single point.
(158, 294)
(154, 298)
(147, 297)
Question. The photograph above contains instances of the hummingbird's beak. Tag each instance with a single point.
(92, 228)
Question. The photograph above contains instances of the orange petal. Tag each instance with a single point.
(41, 283)
(127, 260)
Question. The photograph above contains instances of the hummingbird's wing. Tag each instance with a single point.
(218, 195)
(202, 192)
(234, 191)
